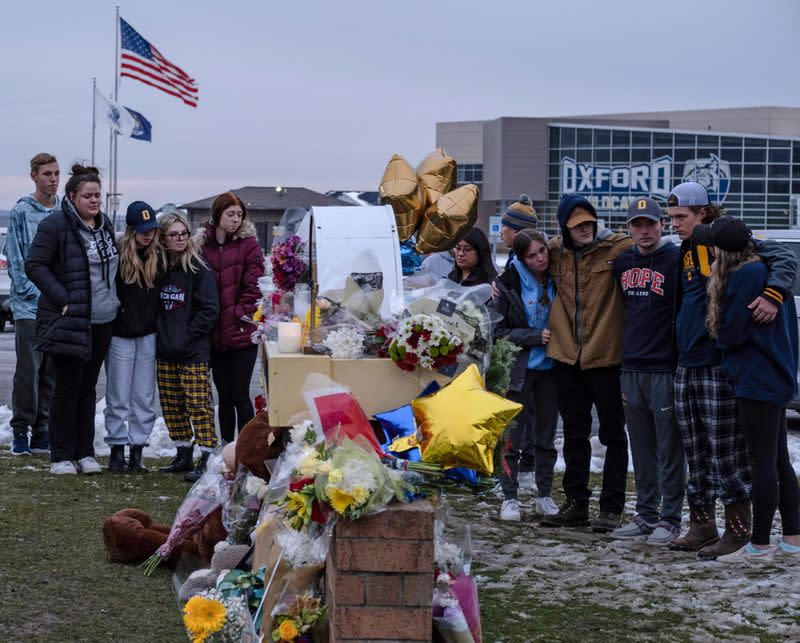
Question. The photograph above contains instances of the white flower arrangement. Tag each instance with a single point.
(424, 341)
(345, 343)
(300, 550)
(448, 556)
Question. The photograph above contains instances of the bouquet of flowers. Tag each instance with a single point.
(424, 341)
(240, 510)
(287, 262)
(296, 616)
(211, 617)
(448, 617)
(346, 342)
(357, 482)
(203, 498)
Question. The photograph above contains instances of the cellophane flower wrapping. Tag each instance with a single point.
(448, 617)
(210, 617)
(465, 312)
(358, 483)
(203, 498)
(242, 505)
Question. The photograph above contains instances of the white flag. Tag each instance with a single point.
(117, 117)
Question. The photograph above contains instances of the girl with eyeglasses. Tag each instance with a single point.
(230, 247)
(474, 264)
(526, 293)
(188, 312)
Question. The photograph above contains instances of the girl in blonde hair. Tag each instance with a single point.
(188, 312)
(760, 363)
(131, 360)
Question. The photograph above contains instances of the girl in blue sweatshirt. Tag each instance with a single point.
(526, 295)
(760, 363)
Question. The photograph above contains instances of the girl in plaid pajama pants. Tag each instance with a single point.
(189, 308)
(705, 405)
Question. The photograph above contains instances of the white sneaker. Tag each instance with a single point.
(89, 465)
(65, 467)
(526, 480)
(546, 506)
(749, 555)
(510, 510)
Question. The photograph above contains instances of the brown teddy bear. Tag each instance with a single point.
(131, 537)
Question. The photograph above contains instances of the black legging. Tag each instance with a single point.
(72, 407)
(774, 481)
(232, 371)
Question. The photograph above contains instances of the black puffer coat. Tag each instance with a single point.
(59, 267)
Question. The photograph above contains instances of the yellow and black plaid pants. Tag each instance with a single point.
(185, 394)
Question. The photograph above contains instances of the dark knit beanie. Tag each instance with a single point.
(520, 214)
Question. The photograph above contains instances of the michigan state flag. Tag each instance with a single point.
(123, 120)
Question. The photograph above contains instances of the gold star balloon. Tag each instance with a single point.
(461, 423)
(437, 172)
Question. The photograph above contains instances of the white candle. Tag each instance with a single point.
(289, 337)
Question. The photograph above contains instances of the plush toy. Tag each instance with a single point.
(130, 536)
(257, 443)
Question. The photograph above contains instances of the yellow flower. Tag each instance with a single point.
(258, 314)
(360, 494)
(335, 476)
(340, 500)
(203, 616)
(288, 630)
(297, 503)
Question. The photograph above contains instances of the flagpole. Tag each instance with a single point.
(114, 135)
(94, 109)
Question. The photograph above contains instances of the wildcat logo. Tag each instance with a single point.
(172, 297)
(712, 173)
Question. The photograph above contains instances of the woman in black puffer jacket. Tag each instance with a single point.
(73, 261)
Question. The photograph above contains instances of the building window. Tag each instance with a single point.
(470, 173)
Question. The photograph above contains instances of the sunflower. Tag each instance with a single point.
(341, 501)
(203, 616)
(287, 631)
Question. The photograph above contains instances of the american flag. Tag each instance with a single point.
(142, 61)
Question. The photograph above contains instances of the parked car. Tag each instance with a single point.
(5, 307)
(791, 237)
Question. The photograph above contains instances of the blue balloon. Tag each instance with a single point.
(462, 474)
(399, 422)
(409, 258)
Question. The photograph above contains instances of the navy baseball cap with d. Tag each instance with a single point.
(141, 217)
(688, 194)
(645, 207)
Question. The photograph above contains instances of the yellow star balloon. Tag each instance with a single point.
(461, 423)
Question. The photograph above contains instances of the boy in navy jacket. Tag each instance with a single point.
(647, 275)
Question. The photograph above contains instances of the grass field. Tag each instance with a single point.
(534, 583)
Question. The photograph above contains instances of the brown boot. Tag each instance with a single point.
(702, 529)
(737, 531)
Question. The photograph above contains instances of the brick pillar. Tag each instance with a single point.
(379, 576)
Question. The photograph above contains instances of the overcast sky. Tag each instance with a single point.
(321, 94)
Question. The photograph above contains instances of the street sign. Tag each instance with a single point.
(494, 226)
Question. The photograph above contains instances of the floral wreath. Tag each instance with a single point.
(424, 341)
